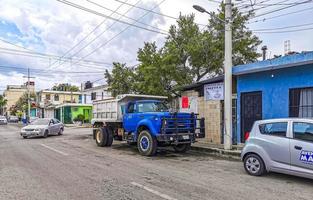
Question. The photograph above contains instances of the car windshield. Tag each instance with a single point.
(41, 122)
(152, 107)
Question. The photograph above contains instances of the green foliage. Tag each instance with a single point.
(22, 103)
(189, 54)
(121, 80)
(65, 87)
(79, 118)
(3, 103)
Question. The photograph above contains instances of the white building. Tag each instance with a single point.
(90, 94)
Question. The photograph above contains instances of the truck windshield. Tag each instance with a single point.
(152, 107)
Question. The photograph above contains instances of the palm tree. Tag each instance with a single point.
(3, 102)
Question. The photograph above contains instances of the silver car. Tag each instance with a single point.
(280, 145)
(43, 127)
(3, 120)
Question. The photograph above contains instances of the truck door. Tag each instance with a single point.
(129, 121)
(301, 146)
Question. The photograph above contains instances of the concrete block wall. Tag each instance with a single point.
(211, 111)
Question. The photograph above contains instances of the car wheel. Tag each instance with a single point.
(61, 131)
(147, 144)
(254, 165)
(101, 137)
(182, 148)
(45, 135)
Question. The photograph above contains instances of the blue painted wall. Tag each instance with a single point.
(275, 87)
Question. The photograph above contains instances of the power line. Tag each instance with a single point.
(126, 28)
(98, 26)
(53, 56)
(283, 8)
(18, 53)
(105, 30)
(286, 27)
(126, 16)
(106, 16)
(281, 15)
(154, 12)
(288, 31)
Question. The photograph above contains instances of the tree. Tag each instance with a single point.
(3, 103)
(121, 79)
(65, 87)
(244, 42)
(22, 103)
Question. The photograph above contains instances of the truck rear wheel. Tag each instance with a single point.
(101, 137)
(147, 144)
(182, 148)
(110, 137)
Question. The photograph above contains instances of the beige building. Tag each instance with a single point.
(48, 99)
(198, 99)
(14, 92)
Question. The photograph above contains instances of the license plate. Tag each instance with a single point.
(186, 137)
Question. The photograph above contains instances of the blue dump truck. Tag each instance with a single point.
(144, 120)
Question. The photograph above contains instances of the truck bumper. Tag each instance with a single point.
(178, 138)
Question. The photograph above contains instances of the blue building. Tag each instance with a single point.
(275, 88)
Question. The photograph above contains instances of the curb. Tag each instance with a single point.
(230, 154)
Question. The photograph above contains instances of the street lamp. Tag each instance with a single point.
(227, 71)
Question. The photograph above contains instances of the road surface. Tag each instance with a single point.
(73, 167)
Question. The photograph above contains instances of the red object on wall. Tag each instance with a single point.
(185, 102)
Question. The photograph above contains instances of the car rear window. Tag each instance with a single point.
(275, 129)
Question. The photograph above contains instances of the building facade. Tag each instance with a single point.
(48, 99)
(276, 88)
(68, 112)
(14, 92)
(90, 94)
(206, 99)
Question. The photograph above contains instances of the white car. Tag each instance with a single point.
(3, 120)
(280, 145)
(43, 127)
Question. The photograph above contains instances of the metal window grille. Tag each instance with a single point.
(301, 102)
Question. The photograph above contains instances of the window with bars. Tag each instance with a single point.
(301, 102)
(93, 96)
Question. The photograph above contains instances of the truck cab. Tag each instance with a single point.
(150, 124)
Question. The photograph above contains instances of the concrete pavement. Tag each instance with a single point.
(73, 167)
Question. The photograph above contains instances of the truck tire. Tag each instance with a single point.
(101, 137)
(182, 148)
(147, 144)
(110, 137)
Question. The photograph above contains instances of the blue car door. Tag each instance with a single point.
(129, 118)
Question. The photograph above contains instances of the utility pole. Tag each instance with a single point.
(228, 65)
(228, 77)
(28, 93)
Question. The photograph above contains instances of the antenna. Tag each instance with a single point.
(287, 47)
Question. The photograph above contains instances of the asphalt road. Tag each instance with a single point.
(73, 167)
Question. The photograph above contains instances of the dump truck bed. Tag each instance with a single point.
(112, 110)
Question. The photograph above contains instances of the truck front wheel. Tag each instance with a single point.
(147, 144)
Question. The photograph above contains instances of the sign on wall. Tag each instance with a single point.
(214, 91)
(188, 104)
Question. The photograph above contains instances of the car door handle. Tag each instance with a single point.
(298, 147)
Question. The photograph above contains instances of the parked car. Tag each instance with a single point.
(280, 145)
(13, 119)
(144, 120)
(31, 119)
(3, 120)
(43, 127)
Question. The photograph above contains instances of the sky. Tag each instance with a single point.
(75, 46)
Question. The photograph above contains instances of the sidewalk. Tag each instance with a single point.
(217, 149)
